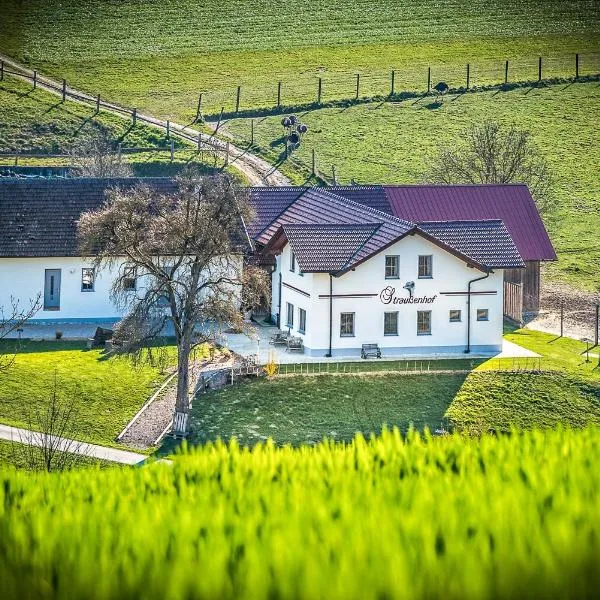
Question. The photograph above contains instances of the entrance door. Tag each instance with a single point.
(52, 289)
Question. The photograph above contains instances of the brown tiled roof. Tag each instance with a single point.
(327, 248)
(486, 242)
(38, 216)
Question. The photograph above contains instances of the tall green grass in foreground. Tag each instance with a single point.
(421, 517)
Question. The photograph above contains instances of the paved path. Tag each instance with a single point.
(257, 170)
(34, 438)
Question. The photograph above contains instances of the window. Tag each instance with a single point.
(424, 322)
(482, 314)
(455, 316)
(425, 266)
(163, 296)
(347, 324)
(129, 279)
(392, 267)
(292, 261)
(390, 323)
(301, 320)
(87, 280)
(290, 315)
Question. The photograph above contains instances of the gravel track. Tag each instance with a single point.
(257, 170)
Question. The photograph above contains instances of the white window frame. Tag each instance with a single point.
(353, 334)
(93, 272)
(397, 261)
(301, 320)
(455, 310)
(429, 262)
(397, 315)
(424, 312)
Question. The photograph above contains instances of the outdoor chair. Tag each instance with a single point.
(370, 350)
(279, 339)
(295, 344)
(100, 337)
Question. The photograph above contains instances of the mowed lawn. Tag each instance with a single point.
(305, 409)
(159, 55)
(392, 143)
(106, 392)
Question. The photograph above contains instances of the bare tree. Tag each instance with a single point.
(489, 153)
(184, 255)
(97, 157)
(49, 442)
(12, 319)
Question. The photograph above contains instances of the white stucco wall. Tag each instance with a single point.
(450, 274)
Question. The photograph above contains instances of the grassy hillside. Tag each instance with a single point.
(105, 393)
(453, 517)
(35, 121)
(159, 55)
(392, 142)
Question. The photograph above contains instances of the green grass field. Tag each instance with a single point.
(159, 55)
(392, 142)
(106, 392)
(299, 409)
(37, 122)
(498, 517)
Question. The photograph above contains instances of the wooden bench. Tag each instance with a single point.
(370, 350)
(295, 344)
(279, 339)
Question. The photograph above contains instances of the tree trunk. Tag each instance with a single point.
(182, 404)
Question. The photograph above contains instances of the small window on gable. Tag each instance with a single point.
(425, 266)
(88, 277)
(392, 267)
(292, 261)
(455, 316)
(483, 314)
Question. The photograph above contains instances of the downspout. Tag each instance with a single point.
(279, 303)
(469, 310)
(328, 355)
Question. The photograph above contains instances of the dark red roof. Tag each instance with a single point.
(511, 203)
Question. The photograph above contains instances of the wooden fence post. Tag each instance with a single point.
(577, 66)
(34, 80)
(314, 163)
(540, 69)
(505, 72)
(278, 94)
(357, 84)
(319, 90)
(333, 173)
(237, 99)
(168, 129)
(199, 109)
(134, 116)
(428, 79)
(393, 83)
(172, 150)
(226, 153)
(64, 90)
(468, 75)
(98, 103)
(219, 119)
(562, 317)
(199, 142)
(1, 70)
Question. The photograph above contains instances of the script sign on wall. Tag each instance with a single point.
(388, 296)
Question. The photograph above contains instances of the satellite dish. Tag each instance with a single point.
(441, 87)
(294, 138)
(302, 128)
(286, 122)
(293, 119)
